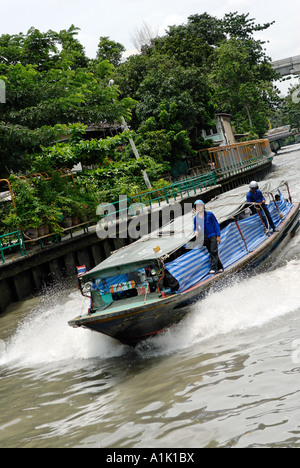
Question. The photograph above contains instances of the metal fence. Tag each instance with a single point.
(12, 241)
(238, 157)
(155, 198)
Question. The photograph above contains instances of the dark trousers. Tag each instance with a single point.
(212, 247)
(265, 213)
(269, 217)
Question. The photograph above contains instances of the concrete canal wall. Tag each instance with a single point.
(30, 274)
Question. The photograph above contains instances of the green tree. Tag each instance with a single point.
(43, 50)
(291, 108)
(241, 26)
(173, 101)
(79, 150)
(47, 89)
(243, 82)
(164, 139)
(110, 50)
(200, 68)
(176, 86)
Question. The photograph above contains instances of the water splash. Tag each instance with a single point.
(244, 305)
(45, 337)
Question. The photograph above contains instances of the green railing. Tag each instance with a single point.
(178, 190)
(16, 241)
(154, 198)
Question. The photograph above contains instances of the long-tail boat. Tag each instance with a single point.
(146, 287)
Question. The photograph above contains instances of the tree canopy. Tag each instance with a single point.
(169, 92)
(289, 112)
(50, 83)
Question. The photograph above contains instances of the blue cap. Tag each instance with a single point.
(199, 202)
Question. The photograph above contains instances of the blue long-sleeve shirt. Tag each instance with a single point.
(255, 197)
(211, 225)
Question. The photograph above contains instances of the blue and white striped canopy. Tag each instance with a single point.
(194, 266)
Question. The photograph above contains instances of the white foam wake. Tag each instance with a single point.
(45, 336)
(250, 303)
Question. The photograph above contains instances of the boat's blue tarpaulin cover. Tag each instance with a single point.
(194, 266)
(104, 284)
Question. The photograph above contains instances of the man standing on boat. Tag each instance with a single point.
(207, 230)
(255, 196)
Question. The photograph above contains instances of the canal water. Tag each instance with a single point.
(227, 376)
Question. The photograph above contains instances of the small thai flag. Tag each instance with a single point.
(81, 270)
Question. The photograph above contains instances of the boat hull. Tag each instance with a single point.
(135, 324)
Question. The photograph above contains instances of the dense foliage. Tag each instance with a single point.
(290, 111)
(50, 83)
(206, 66)
(169, 92)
